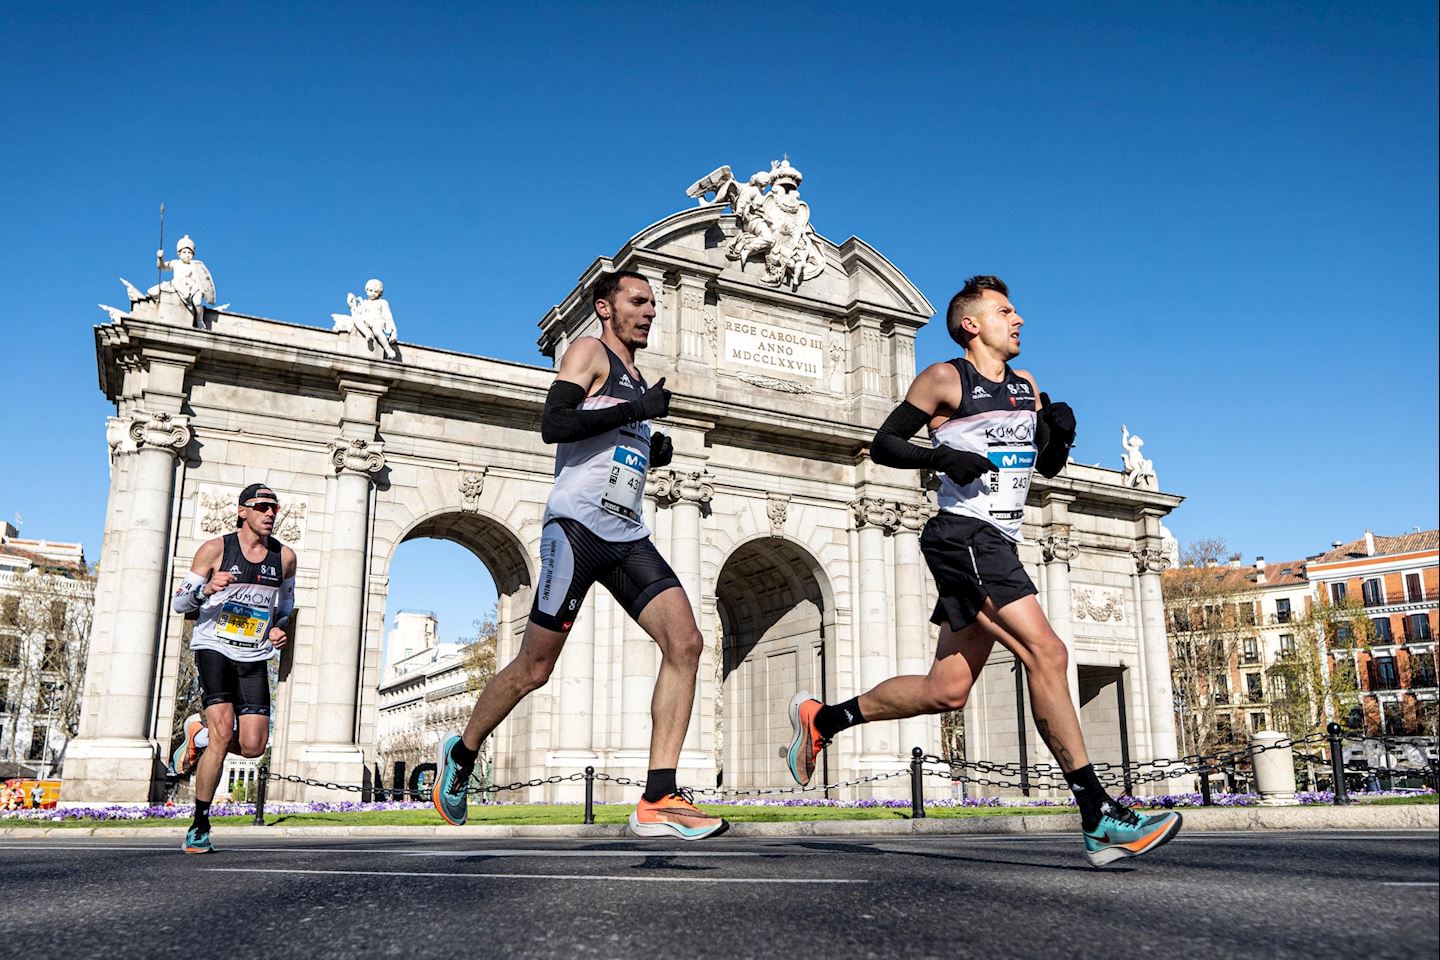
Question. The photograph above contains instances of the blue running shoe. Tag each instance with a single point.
(197, 840)
(452, 782)
(1123, 833)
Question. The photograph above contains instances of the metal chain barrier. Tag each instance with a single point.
(981, 773)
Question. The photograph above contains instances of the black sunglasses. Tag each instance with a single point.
(267, 507)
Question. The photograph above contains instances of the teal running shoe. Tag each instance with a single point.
(1122, 833)
(452, 782)
(197, 840)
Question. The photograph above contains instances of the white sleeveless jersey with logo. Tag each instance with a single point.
(997, 421)
(600, 482)
(236, 621)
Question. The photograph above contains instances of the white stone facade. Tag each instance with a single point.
(800, 555)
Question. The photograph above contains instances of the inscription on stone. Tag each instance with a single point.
(773, 348)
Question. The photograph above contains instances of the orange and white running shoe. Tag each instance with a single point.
(807, 743)
(675, 816)
(184, 759)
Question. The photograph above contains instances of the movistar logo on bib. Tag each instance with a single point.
(1013, 459)
(630, 458)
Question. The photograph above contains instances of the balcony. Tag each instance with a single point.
(1254, 696)
(1222, 698)
(1249, 658)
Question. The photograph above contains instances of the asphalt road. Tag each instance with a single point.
(1253, 895)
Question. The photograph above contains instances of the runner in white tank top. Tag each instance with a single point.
(598, 411)
(989, 427)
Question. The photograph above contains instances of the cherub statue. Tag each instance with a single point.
(1139, 471)
(371, 318)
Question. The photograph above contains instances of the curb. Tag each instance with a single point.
(1197, 820)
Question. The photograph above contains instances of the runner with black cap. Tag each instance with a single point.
(241, 589)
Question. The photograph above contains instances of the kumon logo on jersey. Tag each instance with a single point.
(1004, 433)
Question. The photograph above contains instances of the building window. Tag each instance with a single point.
(1254, 690)
(57, 615)
(1394, 717)
(1181, 619)
(1337, 593)
(54, 654)
(1257, 722)
(1417, 627)
(1372, 592)
(1250, 650)
(1223, 730)
(1279, 688)
(10, 611)
(1381, 626)
(1220, 685)
(4, 694)
(1344, 636)
(37, 742)
(1287, 645)
(1246, 614)
(1344, 671)
(9, 651)
(1384, 675)
(1213, 619)
(1282, 610)
(1414, 592)
(1422, 670)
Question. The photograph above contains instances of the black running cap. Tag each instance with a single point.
(257, 493)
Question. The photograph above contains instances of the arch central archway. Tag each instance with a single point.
(777, 617)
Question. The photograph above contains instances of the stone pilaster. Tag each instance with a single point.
(115, 759)
(874, 518)
(1150, 561)
(331, 752)
(1057, 550)
(912, 628)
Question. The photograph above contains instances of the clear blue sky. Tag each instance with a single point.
(1220, 220)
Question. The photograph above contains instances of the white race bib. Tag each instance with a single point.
(241, 625)
(624, 490)
(1009, 483)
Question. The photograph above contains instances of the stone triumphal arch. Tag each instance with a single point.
(800, 555)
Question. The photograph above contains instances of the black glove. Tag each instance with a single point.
(962, 466)
(654, 404)
(662, 451)
(1060, 418)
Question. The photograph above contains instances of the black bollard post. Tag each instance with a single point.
(589, 794)
(261, 776)
(397, 781)
(917, 788)
(1205, 799)
(1337, 764)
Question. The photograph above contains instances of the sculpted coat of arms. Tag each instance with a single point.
(774, 223)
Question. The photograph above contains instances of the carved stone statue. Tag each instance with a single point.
(370, 318)
(190, 281)
(1139, 471)
(773, 226)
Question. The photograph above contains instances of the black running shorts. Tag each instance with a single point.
(572, 559)
(971, 560)
(245, 683)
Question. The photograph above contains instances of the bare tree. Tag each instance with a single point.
(1206, 623)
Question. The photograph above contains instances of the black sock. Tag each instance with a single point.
(1090, 796)
(202, 814)
(463, 755)
(659, 784)
(831, 720)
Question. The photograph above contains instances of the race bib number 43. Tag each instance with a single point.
(625, 487)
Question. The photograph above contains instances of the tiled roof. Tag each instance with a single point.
(1241, 578)
(1384, 546)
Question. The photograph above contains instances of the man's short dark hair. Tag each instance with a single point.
(967, 300)
(609, 285)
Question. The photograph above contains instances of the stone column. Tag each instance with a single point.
(1150, 561)
(116, 762)
(912, 630)
(1057, 551)
(330, 752)
(873, 519)
(693, 491)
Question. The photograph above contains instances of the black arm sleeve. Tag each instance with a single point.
(564, 422)
(1052, 448)
(892, 447)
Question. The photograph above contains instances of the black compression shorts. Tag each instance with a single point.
(245, 683)
(971, 560)
(572, 559)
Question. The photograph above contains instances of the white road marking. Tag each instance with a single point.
(1410, 883)
(522, 876)
(576, 854)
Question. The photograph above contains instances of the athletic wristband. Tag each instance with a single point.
(190, 594)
